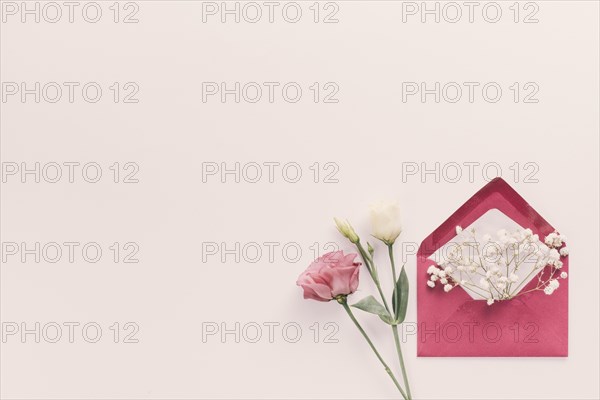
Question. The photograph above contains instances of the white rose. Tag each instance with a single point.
(385, 221)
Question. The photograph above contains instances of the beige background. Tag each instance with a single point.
(368, 134)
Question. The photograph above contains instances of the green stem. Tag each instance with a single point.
(395, 327)
(373, 272)
(385, 304)
(391, 251)
(344, 303)
(399, 350)
(366, 259)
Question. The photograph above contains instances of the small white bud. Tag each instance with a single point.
(347, 230)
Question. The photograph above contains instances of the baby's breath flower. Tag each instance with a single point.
(549, 240)
(492, 251)
(539, 253)
(432, 270)
(553, 255)
(500, 262)
(554, 240)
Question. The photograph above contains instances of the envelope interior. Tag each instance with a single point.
(490, 223)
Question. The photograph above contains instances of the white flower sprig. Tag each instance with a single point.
(492, 269)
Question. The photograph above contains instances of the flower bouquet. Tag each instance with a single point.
(334, 276)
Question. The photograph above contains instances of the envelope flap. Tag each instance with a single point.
(496, 194)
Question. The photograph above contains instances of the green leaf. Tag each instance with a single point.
(400, 297)
(371, 305)
(388, 320)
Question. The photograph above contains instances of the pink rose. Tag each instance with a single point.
(329, 276)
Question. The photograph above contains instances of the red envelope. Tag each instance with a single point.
(453, 324)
